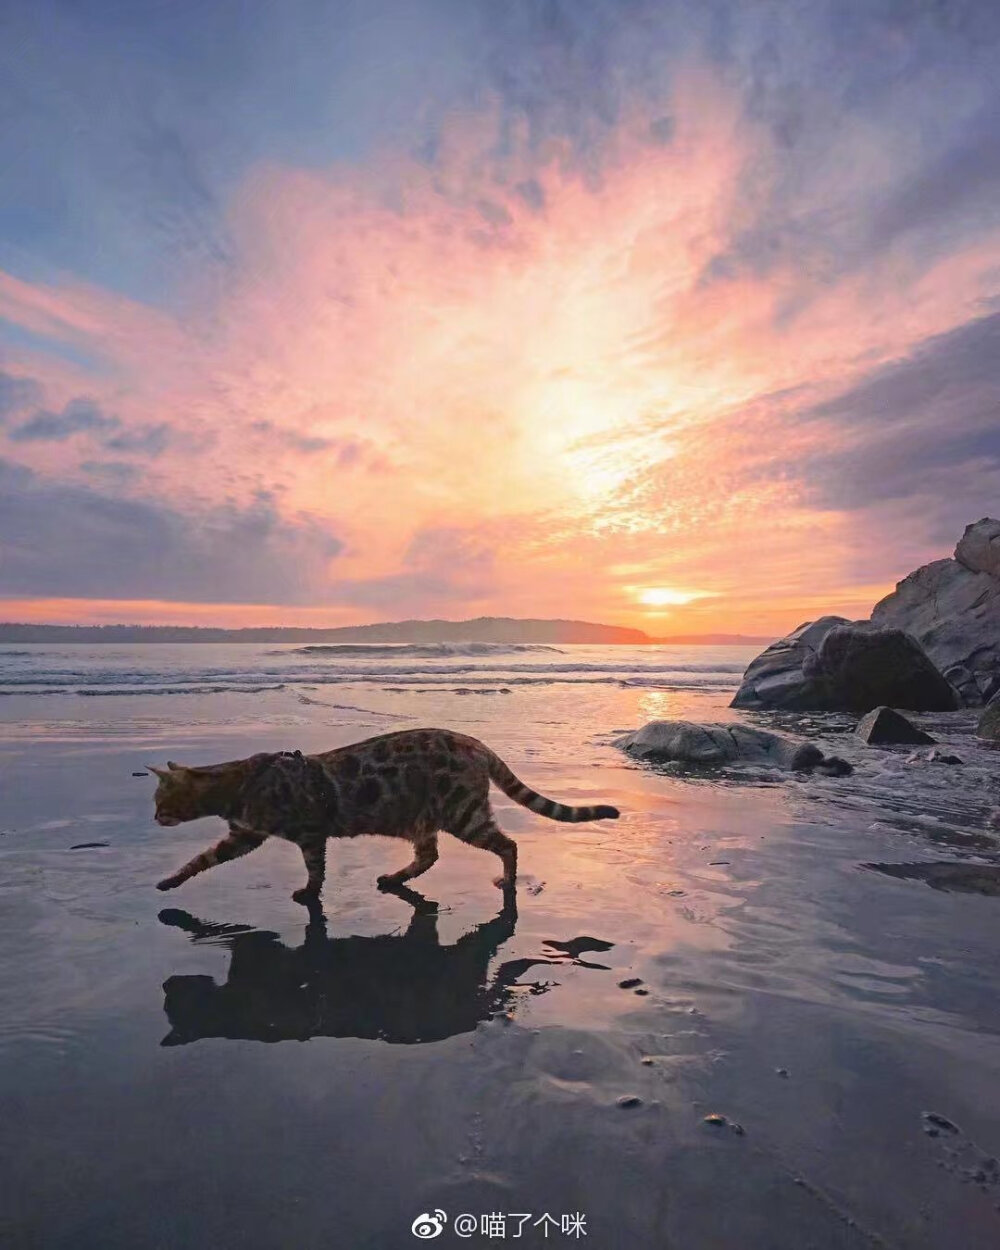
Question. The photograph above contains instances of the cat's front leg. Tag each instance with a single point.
(238, 842)
(314, 853)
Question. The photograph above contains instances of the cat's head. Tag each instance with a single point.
(184, 793)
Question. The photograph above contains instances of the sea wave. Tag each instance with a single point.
(420, 650)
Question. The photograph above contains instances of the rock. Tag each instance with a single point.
(715, 1119)
(690, 743)
(952, 608)
(942, 757)
(629, 983)
(884, 727)
(833, 665)
(939, 1121)
(774, 678)
(629, 1100)
(989, 722)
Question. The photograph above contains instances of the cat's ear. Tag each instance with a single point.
(174, 767)
(158, 772)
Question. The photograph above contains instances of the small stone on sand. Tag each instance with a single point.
(629, 1100)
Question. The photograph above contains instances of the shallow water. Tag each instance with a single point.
(812, 959)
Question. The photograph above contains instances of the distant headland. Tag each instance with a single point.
(481, 629)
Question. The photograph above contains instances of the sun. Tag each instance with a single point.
(666, 596)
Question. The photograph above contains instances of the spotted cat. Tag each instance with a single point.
(409, 785)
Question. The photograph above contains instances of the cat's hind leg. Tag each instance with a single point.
(425, 854)
(479, 828)
(236, 843)
(314, 853)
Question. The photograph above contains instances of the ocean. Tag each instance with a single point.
(809, 962)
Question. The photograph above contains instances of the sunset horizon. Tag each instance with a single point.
(642, 317)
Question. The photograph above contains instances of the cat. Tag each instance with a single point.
(409, 784)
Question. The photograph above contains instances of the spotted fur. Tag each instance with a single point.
(409, 785)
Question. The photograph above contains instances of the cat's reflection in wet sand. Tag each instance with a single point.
(395, 987)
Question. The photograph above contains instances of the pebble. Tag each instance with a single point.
(715, 1119)
(939, 1121)
(629, 983)
(648, 1060)
(629, 1100)
(642, 992)
(782, 1072)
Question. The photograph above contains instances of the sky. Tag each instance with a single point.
(672, 315)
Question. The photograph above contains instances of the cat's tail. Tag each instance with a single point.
(515, 789)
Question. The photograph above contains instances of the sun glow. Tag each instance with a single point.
(666, 596)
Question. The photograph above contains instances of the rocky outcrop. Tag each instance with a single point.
(883, 726)
(952, 608)
(989, 722)
(686, 742)
(834, 665)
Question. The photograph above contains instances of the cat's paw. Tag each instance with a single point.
(305, 895)
(502, 883)
(388, 881)
(168, 883)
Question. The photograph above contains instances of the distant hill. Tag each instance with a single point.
(482, 629)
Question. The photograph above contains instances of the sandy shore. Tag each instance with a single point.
(211, 1068)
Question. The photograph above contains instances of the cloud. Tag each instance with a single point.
(79, 416)
(306, 443)
(149, 440)
(74, 541)
(16, 394)
(85, 416)
(908, 423)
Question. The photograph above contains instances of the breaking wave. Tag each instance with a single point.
(417, 650)
(416, 668)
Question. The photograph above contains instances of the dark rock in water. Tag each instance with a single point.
(952, 608)
(942, 757)
(883, 726)
(687, 742)
(939, 1121)
(629, 1100)
(716, 1119)
(629, 983)
(834, 665)
(775, 678)
(989, 722)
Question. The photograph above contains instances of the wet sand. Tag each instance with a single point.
(218, 1068)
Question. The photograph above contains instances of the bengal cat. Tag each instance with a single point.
(409, 785)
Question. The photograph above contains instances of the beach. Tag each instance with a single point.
(810, 962)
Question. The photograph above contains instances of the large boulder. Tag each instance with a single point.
(952, 608)
(834, 665)
(686, 742)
